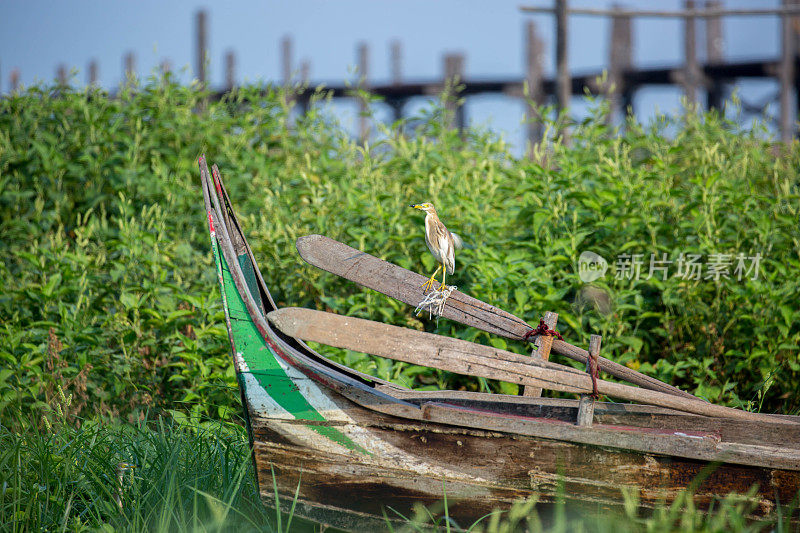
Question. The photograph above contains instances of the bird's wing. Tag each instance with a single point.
(432, 235)
(457, 240)
(446, 245)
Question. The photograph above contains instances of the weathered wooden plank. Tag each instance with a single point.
(456, 355)
(406, 286)
(704, 446)
(563, 82)
(617, 414)
(620, 61)
(201, 54)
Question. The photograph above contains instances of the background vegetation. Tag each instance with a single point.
(108, 287)
(109, 309)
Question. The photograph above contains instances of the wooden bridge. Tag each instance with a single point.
(622, 78)
(619, 81)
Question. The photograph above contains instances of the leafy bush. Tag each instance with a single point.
(108, 287)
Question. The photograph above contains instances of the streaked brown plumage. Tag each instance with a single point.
(441, 242)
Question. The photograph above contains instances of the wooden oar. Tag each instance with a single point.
(463, 357)
(406, 286)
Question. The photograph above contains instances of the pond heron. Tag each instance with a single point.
(441, 242)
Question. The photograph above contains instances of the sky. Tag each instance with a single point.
(38, 35)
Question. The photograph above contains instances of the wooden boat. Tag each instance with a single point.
(365, 451)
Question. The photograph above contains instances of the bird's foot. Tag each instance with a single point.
(427, 286)
(442, 287)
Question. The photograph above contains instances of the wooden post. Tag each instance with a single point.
(453, 75)
(92, 77)
(692, 68)
(795, 27)
(620, 59)
(396, 59)
(534, 76)
(543, 344)
(286, 70)
(230, 70)
(305, 71)
(715, 44)
(13, 80)
(61, 74)
(563, 82)
(586, 402)
(202, 46)
(363, 84)
(787, 76)
(715, 55)
(304, 100)
(286, 60)
(130, 67)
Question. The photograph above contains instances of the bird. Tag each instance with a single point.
(441, 242)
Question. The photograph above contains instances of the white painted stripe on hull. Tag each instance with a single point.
(382, 452)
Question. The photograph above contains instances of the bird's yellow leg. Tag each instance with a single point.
(444, 275)
(428, 285)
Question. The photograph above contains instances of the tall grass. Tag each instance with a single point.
(156, 476)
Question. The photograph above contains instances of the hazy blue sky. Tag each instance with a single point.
(37, 35)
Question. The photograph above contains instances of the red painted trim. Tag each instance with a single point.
(210, 221)
(217, 182)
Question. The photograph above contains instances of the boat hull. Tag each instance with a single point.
(479, 471)
(358, 453)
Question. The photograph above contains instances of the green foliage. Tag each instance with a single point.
(108, 287)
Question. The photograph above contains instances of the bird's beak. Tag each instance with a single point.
(416, 206)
